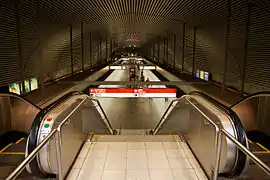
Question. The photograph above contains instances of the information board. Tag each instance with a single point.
(15, 88)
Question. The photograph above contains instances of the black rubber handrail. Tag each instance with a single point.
(32, 140)
(251, 96)
(241, 134)
(33, 135)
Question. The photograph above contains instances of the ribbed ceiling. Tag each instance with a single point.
(228, 38)
(133, 19)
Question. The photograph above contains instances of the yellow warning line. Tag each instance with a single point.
(7, 146)
(261, 152)
(13, 153)
(19, 140)
(264, 148)
(250, 141)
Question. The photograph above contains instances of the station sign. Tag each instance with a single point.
(133, 92)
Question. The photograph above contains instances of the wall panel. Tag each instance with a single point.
(257, 65)
(236, 43)
(9, 57)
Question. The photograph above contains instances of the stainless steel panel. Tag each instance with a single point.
(200, 134)
(5, 114)
(86, 119)
(254, 113)
(17, 114)
(71, 138)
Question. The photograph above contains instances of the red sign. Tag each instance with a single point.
(132, 90)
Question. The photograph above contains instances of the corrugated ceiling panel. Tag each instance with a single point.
(210, 49)
(95, 45)
(62, 56)
(257, 65)
(76, 45)
(9, 58)
(188, 48)
(86, 47)
(203, 50)
(236, 43)
(161, 51)
(179, 47)
(29, 38)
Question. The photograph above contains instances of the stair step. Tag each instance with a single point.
(136, 138)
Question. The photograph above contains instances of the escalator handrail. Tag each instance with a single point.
(104, 114)
(33, 135)
(10, 94)
(250, 96)
(241, 134)
(163, 117)
(30, 158)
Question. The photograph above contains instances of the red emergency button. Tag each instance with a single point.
(49, 119)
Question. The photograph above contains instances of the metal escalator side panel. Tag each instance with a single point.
(32, 144)
(47, 158)
(34, 167)
(242, 160)
(98, 123)
(174, 120)
(229, 151)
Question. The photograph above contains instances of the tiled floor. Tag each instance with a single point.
(136, 161)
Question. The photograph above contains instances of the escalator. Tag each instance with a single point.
(254, 114)
(79, 123)
(87, 122)
(16, 118)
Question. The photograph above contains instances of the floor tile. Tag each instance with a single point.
(184, 174)
(136, 153)
(137, 175)
(184, 145)
(158, 163)
(189, 153)
(113, 175)
(194, 163)
(156, 153)
(200, 173)
(73, 174)
(154, 146)
(171, 145)
(175, 153)
(83, 153)
(115, 164)
(100, 145)
(120, 146)
(136, 146)
(137, 163)
(116, 154)
(161, 175)
(178, 163)
(95, 163)
(97, 154)
(87, 145)
(89, 174)
(78, 163)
